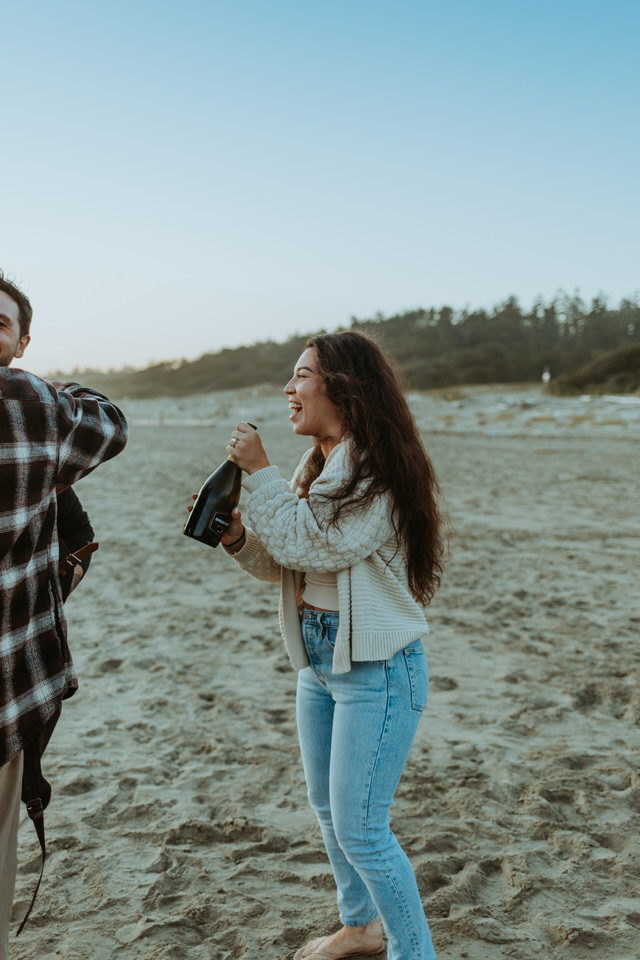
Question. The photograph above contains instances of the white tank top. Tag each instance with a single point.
(321, 590)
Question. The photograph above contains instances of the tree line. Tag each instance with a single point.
(434, 347)
(437, 348)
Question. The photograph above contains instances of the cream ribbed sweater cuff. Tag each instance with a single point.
(261, 477)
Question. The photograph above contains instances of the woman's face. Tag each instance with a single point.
(311, 412)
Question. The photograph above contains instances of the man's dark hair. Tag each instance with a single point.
(24, 307)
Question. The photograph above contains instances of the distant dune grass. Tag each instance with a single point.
(433, 349)
(615, 372)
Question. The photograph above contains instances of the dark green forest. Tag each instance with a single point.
(432, 347)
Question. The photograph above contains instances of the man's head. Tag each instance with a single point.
(15, 321)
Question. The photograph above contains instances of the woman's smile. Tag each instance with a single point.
(295, 408)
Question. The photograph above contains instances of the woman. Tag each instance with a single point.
(355, 542)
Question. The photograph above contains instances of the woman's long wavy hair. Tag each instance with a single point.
(387, 452)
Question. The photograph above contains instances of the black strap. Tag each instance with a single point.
(35, 809)
(36, 793)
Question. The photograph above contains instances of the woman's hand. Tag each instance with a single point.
(245, 446)
(234, 532)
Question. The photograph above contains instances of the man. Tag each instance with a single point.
(50, 435)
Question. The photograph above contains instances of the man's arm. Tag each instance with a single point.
(91, 430)
(48, 437)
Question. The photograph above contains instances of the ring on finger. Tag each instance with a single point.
(233, 441)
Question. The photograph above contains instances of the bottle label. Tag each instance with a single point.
(219, 523)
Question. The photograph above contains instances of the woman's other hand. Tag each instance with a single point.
(234, 532)
(245, 446)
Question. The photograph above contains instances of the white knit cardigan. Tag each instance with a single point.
(289, 535)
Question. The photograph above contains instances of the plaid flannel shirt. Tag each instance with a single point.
(47, 437)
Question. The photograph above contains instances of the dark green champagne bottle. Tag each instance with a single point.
(219, 495)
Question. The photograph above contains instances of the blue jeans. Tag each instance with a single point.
(355, 732)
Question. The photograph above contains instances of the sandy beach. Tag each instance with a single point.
(179, 826)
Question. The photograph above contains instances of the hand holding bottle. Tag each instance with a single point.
(234, 531)
(214, 511)
(245, 446)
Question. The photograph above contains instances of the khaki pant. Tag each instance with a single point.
(10, 793)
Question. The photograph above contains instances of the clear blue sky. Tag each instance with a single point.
(182, 176)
